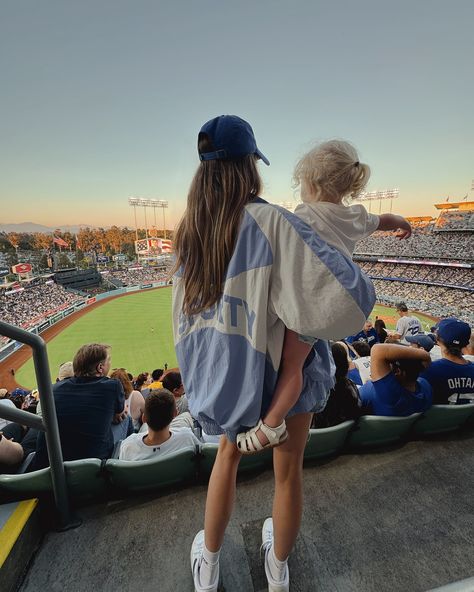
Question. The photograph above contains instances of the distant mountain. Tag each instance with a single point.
(32, 227)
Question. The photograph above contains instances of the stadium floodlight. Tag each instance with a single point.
(149, 203)
(371, 196)
(134, 201)
(160, 203)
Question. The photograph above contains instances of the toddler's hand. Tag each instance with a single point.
(404, 230)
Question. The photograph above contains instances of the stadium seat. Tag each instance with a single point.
(248, 463)
(157, 473)
(326, 441)
(443, 418)
(26, 485)
(84, 480)
(373, 430)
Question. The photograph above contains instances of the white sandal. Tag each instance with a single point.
(248, 442)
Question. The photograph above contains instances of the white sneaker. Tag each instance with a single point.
(267, 543)
(196, 561)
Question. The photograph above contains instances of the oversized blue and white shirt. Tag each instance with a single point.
(281, 274)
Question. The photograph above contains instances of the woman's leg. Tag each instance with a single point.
(221, 494)
(288, 500)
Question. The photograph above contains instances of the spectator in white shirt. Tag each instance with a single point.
(159, 440)
(406, 324)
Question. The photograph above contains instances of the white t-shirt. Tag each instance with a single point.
(407, 326)
(340, 226)
(6, 403)
(133, 447)
(363, 365)
(435, 353)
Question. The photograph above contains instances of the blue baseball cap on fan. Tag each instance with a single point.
(454, 332)
(231, 137)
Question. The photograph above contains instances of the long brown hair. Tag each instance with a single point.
(205, 238)
(121, 375)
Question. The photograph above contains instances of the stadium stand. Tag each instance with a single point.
(34, 300)
(438, 289)
(457, 220)
(423, 243)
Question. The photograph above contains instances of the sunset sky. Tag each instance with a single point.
(103, 99)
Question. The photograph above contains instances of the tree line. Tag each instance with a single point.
(107, 241)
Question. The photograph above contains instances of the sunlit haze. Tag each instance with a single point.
(102, 100)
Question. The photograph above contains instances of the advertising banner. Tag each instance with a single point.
(91, 300)
(4, 271)
(43, 326)
(145, 286)
(21, 268)
(102, 259)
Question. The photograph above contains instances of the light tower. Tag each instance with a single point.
(134, 202)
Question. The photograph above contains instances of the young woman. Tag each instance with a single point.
(245, 271)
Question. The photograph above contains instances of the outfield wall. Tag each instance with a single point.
(10, 346)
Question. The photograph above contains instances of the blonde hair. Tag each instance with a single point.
(330, 171)
(205, 238)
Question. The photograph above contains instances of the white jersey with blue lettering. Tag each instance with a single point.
(408, 326)
(281, 274)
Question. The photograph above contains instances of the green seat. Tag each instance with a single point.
(156, 473)
(443, 418)
(374, 430)
(84, 480)
(248, 463)
(326, 441)
(26, 485)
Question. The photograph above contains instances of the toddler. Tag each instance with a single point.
(327, 176)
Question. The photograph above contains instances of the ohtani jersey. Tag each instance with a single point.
(408, 326)
(281, 274)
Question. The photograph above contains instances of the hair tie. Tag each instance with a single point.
(356, 164)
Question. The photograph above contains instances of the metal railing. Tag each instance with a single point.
(48, 423)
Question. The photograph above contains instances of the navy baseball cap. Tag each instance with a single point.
(231, 137)
(424, 341)
(454, 331)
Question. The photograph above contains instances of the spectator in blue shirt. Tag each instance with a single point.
(86, 405)
(395, 388)
(451, 377)
(368, 334)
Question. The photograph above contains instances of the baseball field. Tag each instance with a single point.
(138, 327)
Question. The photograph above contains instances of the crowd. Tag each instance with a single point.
(34, 300)
(455, 276)
(39, 298)
(457, 220)
(424, 242)
(439, 301)
(104, 412)
(137, 276)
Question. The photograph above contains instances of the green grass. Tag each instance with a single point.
(390, 316)
(125, 324)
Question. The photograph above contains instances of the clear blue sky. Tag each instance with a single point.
(103, 99)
